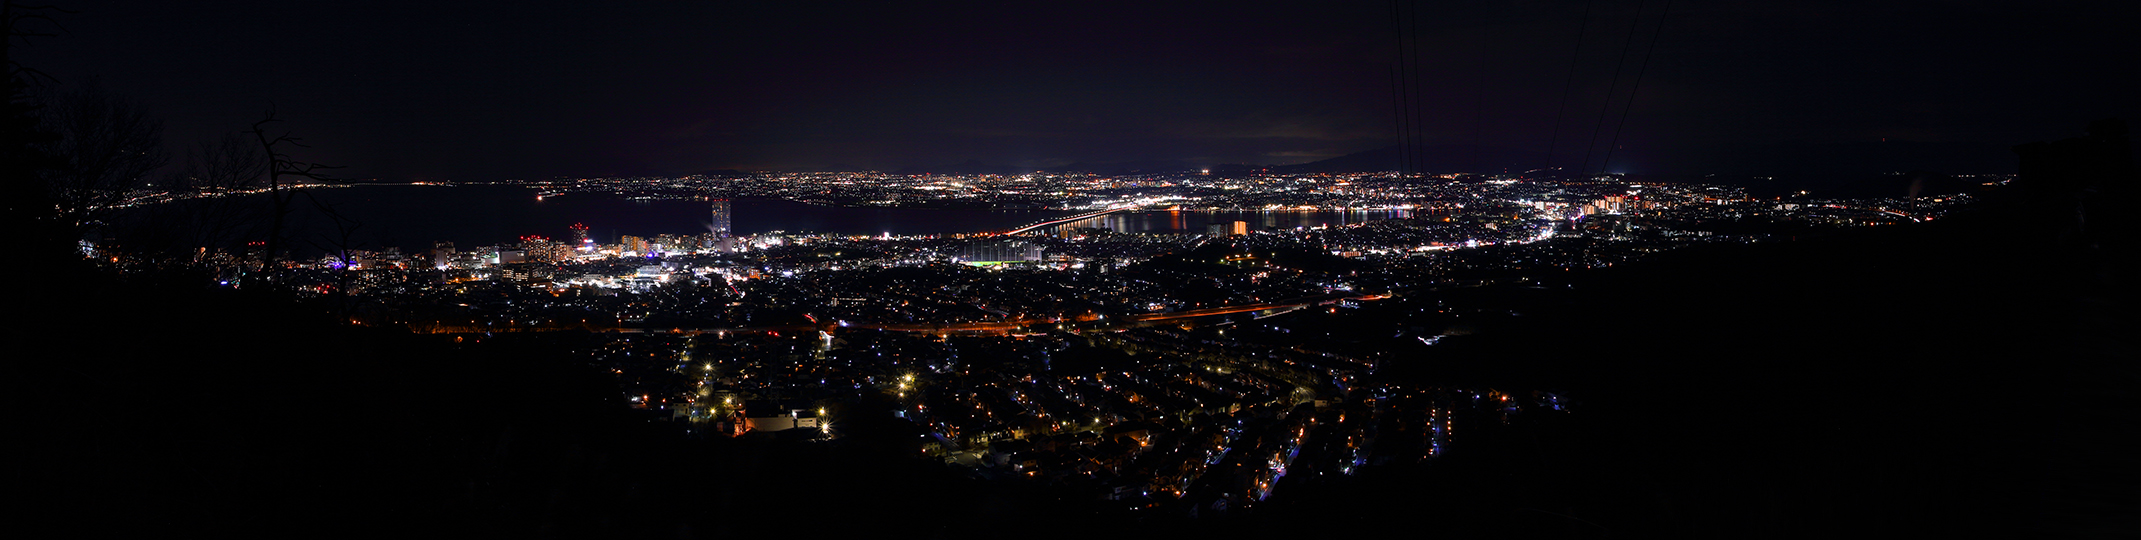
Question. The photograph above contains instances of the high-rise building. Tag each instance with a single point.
(720, 225)
(442, 254)
(1000, 251)
(540, 249)
(1223, 228)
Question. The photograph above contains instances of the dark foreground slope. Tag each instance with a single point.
(1971, 377)
(1963, 378)
(1968, 378)
(1954, 379)
(163, 411)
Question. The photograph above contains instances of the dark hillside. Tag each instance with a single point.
(158, 411)
(1969, 377)
(1964, 378)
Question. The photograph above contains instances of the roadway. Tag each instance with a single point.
(1059, 221)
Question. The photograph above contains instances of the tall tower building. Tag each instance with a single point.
(721, 218)
(442, 254)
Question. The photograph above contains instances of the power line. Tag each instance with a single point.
(1637, 86)
(1582, 25)
(1399, 91)
(1397, 107)
(1419, 102)
(1479, 99)
(1606, 109)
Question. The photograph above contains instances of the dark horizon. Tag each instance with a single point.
(497, 91)
(1877, 338)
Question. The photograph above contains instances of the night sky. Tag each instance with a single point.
(534, 89)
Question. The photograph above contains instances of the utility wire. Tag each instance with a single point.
(1479, 100)
(1606, 109)
(1399, 91)
(1419, 102)
(1582, 25)
(1397, 108)
(1637, 86)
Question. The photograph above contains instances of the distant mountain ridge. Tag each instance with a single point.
(1774, 160)
(1109, 169)
(1440, 158)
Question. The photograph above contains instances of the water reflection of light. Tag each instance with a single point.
(1195, 221)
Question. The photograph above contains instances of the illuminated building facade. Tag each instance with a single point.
(720, 226)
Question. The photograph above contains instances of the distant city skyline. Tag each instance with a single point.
(1625, 268)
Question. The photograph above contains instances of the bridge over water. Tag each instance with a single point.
(1060, 221)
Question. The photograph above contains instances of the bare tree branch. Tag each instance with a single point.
(340, 247)
(220, 170)
(281, 166)
(106, 149)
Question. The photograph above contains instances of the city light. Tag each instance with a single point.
(1223, 312)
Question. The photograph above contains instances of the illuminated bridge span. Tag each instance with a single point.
(1087, 215)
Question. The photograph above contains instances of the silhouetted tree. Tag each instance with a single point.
(244, 189)
(214, 212)
(104, 149)
(284, 178)
(339, 244)
(220, 170)
(28, 208)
